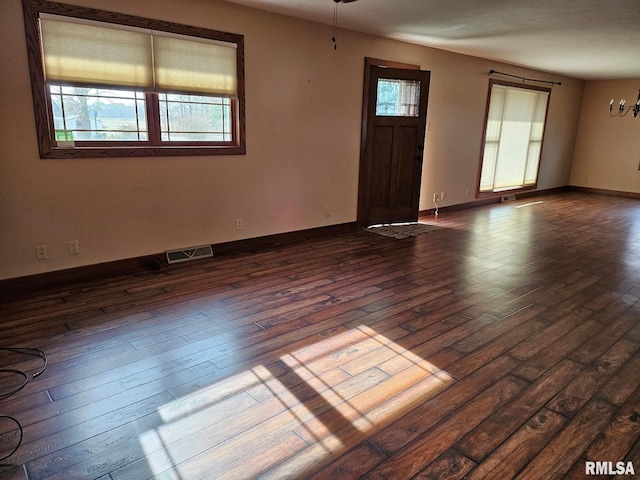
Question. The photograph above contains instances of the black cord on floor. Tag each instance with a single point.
(26, 351)
(2, 459)
(4, 395)
(36, 352)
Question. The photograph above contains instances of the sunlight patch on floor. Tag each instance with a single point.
(211, 395)
(530, 204)
(311, 401)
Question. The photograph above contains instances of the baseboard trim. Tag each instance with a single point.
(492, 200)
(602, 191)
(460, 206)
(261, 243)
(14, 288)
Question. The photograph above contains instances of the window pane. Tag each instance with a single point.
(515, 125)
(56, 105)
(532, 163)
(494, 120)
(398, 98)
(539, 116)
(194, 118)
(99, 114)
(488, 166)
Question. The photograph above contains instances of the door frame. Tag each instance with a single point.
(362, 214)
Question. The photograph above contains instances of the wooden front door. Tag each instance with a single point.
(394, 121)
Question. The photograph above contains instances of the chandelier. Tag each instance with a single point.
(623, 110)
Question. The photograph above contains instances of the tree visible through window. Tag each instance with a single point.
(398, 98)
(514, 131)
(94, 114)
(109, 84)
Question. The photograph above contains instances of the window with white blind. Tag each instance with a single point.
(108, 84)
(514, 131)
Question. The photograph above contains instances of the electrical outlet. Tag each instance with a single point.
(443, 195)
(327, 211)
(74, 247)
(435, 197)
(239, 224)
(41, 252)
(467, 192)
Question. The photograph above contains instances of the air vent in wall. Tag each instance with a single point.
(507, 198)
(191, 253)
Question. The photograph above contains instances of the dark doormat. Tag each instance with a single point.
(402, 230)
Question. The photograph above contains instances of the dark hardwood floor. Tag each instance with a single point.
(504, 345)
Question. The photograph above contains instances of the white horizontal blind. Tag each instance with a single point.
(101, 54)
(513, 139)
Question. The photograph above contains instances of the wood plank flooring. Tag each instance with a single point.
(504, 345)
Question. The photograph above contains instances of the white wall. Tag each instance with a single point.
(607, 154)
(303, 109)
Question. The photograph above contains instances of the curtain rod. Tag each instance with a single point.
(524, 79)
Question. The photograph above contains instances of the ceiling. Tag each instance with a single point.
(586, 39)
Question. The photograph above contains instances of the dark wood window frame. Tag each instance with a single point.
(47, 144)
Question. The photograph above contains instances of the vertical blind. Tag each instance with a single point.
(94, 53)
(513, 138)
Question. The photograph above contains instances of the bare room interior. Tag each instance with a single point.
(292, 239)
